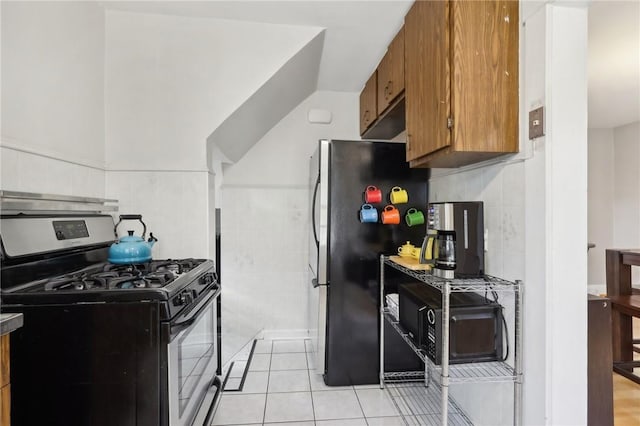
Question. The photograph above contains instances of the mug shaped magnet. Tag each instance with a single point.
(398, 195)
(372, 194)
(414, 217)
(368, 213)
(390, 215)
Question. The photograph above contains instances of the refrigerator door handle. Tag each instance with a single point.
(323, 213)
(313, 212)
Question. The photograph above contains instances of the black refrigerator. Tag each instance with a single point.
(344, 292)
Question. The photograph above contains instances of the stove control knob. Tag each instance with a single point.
(206, 279)
(184, 298)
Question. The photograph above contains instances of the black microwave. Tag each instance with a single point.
(475, 324)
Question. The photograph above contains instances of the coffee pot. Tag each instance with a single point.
(445, 253)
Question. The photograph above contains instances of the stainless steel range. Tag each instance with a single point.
(106, 344)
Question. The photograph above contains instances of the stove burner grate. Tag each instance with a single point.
(153, 274)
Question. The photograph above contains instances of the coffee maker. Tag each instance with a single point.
(458, 230)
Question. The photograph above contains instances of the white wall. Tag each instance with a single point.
(53, 97)
(626, 192)
(265, 218)
(601, 205)
(614, 197)
(169, 82)
(626, 227)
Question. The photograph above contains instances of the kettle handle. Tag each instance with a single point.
(131, 217)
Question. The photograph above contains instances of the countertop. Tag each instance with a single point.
(10, 322)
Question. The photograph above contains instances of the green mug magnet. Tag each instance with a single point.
(414, 217)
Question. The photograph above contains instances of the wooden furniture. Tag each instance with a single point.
(5, 387)
(369, 103)
(461, 81)
(391, 72)
(8, 324)
(599, 361)
(625, 305)
(459, 98)
(382, 112)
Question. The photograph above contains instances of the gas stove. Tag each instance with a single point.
(94, 329)
(174, 283)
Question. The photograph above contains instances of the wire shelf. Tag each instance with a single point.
(484, 283)
(458, 373)
(404, 376)
(421, 405)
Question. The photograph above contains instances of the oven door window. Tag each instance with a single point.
(192, 366)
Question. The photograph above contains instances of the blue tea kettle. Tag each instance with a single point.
(131, 248)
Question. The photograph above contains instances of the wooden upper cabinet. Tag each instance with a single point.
(427, 82)
(368, 103)
(391, 73)
(461, 89)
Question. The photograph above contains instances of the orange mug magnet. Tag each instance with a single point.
(390, 215)
(398, 195)
(372, 195)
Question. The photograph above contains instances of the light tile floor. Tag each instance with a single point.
(281, 388)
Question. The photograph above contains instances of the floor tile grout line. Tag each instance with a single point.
(360, 405)
(313, 407)
(266, 395)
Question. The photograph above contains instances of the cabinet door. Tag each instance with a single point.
(368, 103)
(391, 72)
(427, 81)
(484, 87)
(5, 387)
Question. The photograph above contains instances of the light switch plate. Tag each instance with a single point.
(536, 123)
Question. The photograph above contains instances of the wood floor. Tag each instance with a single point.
(626, 394)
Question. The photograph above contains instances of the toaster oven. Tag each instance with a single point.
(475, 324)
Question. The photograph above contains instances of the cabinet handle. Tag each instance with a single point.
(365, 116)
(386, 90)
(390, 86)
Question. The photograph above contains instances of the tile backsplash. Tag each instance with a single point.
(29, 172)
(501, 188)
(173, 205)
(265, 246)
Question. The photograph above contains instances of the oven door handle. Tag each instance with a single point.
(177, 327)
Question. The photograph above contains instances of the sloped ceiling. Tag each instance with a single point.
(293, 83)
(357, 33)
(355, 37)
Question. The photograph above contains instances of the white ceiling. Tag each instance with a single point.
(357, 33)
(356, 36)
(614, 63)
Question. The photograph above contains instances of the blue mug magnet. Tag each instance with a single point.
(368, 213)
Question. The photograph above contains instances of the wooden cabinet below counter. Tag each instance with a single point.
(5, 387)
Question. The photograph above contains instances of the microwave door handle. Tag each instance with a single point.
(421, 326)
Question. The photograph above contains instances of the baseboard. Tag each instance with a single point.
(283, 334)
